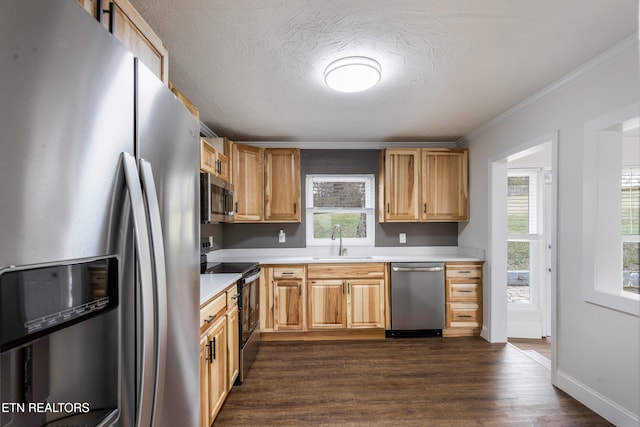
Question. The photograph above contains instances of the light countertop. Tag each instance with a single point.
(355, 255)
(213, 284)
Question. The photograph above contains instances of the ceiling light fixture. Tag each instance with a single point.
(353, 74)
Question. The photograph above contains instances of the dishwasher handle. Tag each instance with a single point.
(409, 269)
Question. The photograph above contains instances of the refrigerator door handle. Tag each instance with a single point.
(157, 244)
(144, 410)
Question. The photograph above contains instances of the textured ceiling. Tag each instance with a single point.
(254, 68)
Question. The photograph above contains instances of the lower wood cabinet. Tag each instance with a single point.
(213, 369)
(321, 298)
(365, 303)
(463, 299)
(288, 297)
(219, 352)
(346, 296)
(327, 302)
(340, 304)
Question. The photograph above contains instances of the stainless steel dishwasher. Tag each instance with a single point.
(417, 299)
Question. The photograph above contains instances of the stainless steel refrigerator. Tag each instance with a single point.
(99, 266)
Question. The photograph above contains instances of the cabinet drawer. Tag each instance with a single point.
(294, 272)
(463, 315)
(346, 271)
(232, 297)
(463, 270)
(463, 292)
(213, 310)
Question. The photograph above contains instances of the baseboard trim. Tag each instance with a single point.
(595, 401)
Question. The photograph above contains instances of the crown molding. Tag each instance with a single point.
(362, 145)
(600, 61)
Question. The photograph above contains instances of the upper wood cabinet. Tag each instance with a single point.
(266, 184)
(423, 184)
(248, 181)
(282, 185)
(128, 26)
(213, 160)
(401, 181)
(443, 185)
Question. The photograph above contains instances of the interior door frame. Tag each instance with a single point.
(497, 250)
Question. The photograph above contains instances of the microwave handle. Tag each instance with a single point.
(157, 245)
(142, 244)
(228, 203)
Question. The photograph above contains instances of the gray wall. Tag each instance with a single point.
(238, 236)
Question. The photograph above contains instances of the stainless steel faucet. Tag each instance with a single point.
(342, 251)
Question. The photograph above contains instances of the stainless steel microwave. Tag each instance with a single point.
(216, 199)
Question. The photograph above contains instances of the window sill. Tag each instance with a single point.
(623, 301)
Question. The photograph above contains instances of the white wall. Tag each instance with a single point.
(598, 349)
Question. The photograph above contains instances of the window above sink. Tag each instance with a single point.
(345, 200)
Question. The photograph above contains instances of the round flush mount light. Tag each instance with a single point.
(352, 74)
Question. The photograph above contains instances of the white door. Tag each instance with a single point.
(528, 245)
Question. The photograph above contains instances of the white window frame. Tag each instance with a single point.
(597, 288)
(369, 210)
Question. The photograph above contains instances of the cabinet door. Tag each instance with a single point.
(223, 166)
(282, 185)
(288, 304)
(208, 157)
(365, 308)
(327, 304)
(444, 187)
(204, 381)
(401, 184)
(217, 359)
(138, 36)
(233, 346)
(248, 181)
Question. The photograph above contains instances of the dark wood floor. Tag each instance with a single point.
(400, 382)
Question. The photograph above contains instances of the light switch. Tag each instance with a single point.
(403, 237)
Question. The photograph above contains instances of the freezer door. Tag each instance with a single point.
(168, 139)
(66, 115)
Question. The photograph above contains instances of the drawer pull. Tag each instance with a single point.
(464, 271)
(235, 296)
(465, 316)
(465, 291)
(287, 273)
(210, 319)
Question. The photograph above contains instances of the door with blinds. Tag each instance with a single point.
(527, 252)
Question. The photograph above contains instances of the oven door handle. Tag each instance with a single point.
(253, 277)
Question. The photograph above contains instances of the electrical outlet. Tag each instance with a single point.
(403, 237)
(282, 237)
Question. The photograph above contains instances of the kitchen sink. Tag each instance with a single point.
(341, 257)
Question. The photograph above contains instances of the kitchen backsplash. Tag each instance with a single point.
(238, 236)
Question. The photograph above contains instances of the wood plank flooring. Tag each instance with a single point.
(399, 382)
